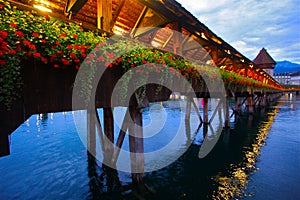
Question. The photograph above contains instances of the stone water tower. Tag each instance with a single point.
(264, 61)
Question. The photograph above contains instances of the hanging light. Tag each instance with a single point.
(42, 5)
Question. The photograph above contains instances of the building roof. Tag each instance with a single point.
(264, 60)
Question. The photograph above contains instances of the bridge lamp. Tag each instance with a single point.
(42, 5)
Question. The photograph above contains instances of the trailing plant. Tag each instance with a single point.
(26, 35)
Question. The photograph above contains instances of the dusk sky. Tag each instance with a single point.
(250, 25)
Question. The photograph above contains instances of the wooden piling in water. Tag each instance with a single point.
(205, 111)
(226, 112)
(136, 146)
(91, 132)
(250, 101)
(188, 108)
(109, 133)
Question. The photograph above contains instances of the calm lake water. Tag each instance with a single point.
(257, 158)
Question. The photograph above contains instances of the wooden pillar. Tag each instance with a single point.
(91, 133)
(188, 132)
(205, 111)
(250, 101)
(136, 146)
(188, 108)
(4, 145)
(226, 112)
(237, 105)
(109, 133)
(104, 15)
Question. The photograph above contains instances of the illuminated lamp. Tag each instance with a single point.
(42, 5)
(118, 30)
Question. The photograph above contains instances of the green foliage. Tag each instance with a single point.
(25, 35)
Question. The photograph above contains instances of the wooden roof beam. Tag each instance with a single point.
(117, 13)
(104, 15)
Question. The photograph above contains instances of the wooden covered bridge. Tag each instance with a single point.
(48, 75)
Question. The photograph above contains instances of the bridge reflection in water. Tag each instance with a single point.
(221, 174)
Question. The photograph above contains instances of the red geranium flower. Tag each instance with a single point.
(26, 42)
(37, 54)
(34, 34)
(72, 55)
(56, 66)
(77, 67)
(13, 25)
(2, 62)
(19, 47)
(47, 17)
(44, 60)
(65, 61)
(19, 33)
(100, 58)
(76, 60)
(3, 34)
(32, 46)
(76, 46)
(110, 54)
(75, 36)
(69, 46)
(62, 35)
(43, 41)
(12, 52)
(1, 6)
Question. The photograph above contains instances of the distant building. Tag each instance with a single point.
(283, 78)
(264, 61)
(295, 78)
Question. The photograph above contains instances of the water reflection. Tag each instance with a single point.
(232, 184)
(61, 167)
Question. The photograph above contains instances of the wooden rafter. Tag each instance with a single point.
(117, 13)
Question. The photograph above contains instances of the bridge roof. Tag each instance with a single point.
(127, 17)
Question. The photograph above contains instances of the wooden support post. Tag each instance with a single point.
(188, 132)
(197, 110)
(109, 133)
(226, 112)
(188, 108)
(215, 111)
(4, 145)
(250, 101)
(104, 15)
(237, 105)
(136, 146)
(205, 111)
(121, 137)
(91, 133)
